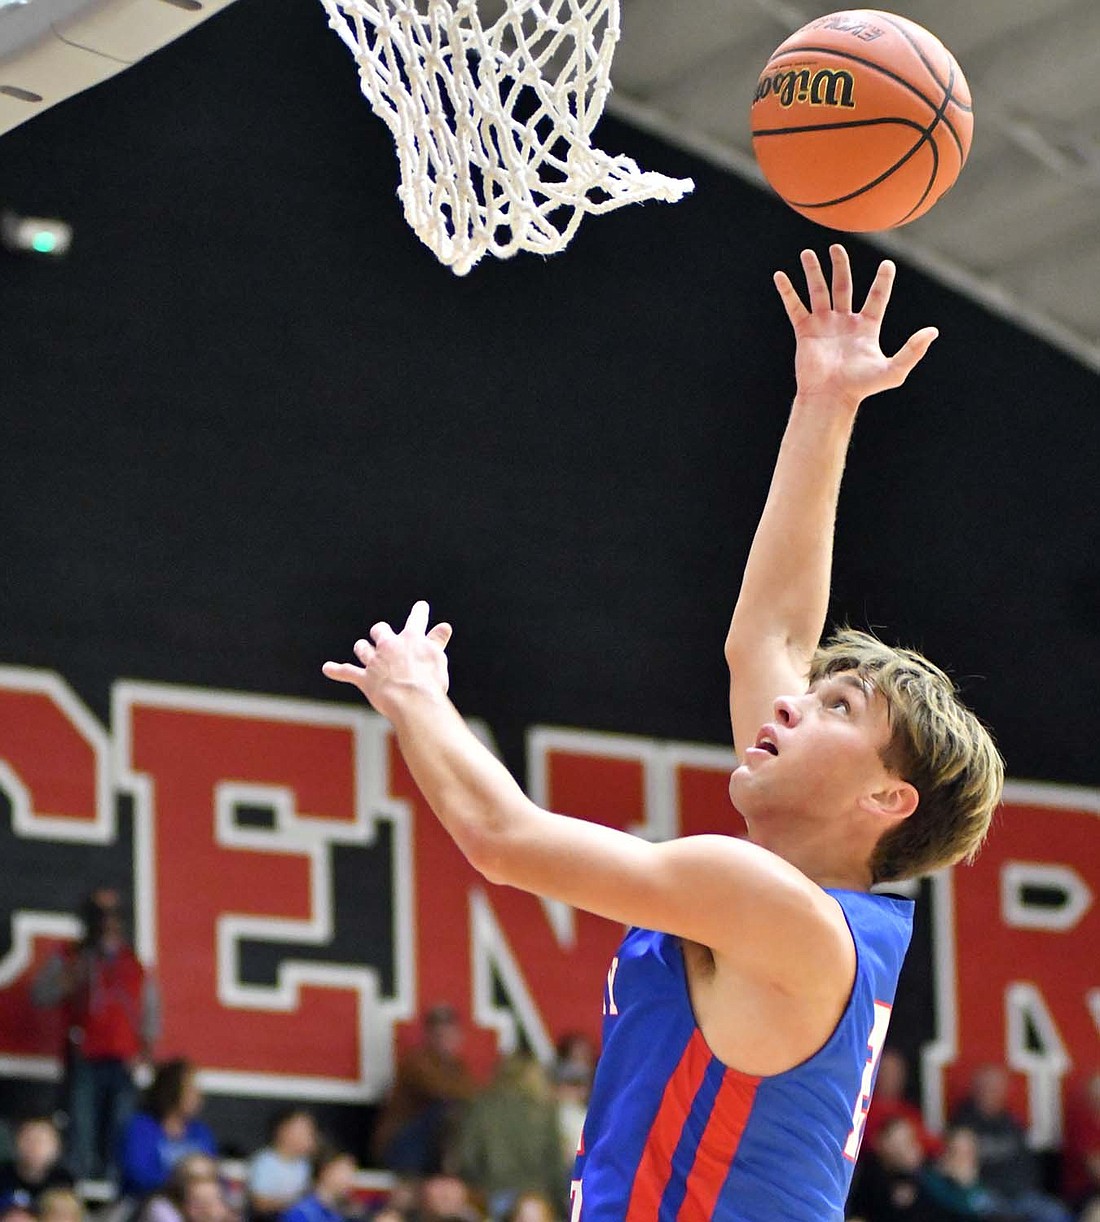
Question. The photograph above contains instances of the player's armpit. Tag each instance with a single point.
(755, 911)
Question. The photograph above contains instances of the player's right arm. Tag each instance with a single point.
(754, 910)
(780, 612)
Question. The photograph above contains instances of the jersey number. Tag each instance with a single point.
(575, 1198)
(875, 1042)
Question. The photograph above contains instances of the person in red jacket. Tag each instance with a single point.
(111, 1017)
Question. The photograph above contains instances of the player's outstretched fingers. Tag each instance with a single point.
(441, 634)
(878, 295)
(912, 352)
(792, 303)
(418, 618)
(364, 650)
(815, 282)
(343, 672)
(842, 278)
(380, 632)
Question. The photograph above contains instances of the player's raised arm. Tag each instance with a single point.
(726, 894)
(781, 608)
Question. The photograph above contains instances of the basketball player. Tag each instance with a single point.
(747, 1006)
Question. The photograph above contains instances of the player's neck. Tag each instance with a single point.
(819, 854)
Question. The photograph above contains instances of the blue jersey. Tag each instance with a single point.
(673, 1135)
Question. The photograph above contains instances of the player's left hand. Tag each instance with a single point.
(839, 358)
(393, 663)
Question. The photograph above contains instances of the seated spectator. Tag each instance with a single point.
(508, 1139)
(955, 1180)
(888, 1186)
(167, 1204)
(166, 1130)
(889, 1100)
(36, 1165)
(532, 1207)
(60, 1205)
(445, 1198)
(16, 1207)
(330, 1198)
(204, 1201)
(1008, 1168)
(1081, 1149)
(279, 1174)
(432, 1080)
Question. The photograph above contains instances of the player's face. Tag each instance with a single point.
(820, 754)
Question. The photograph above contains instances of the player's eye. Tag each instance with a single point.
(840, 702)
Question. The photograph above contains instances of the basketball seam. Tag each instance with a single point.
(924, 60)
(926, 137)
(870, 63)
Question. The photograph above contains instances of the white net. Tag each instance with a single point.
(493, 118)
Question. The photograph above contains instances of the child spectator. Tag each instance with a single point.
(279, 1175)
(954, 1182)
(36, 1165)
(203, 1202)
(333, 1180)
(167, 1205)
(532, 1207)
(445, 1198)
(166, 1130)
(60, 1205)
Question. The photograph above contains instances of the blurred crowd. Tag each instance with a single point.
(453, 1149)
(982, 1166)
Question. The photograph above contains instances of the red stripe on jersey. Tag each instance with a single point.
(655, 1165)
(718, 1147)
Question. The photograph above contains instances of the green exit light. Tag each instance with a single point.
(44, 242)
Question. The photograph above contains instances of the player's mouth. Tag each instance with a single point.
(766, 742)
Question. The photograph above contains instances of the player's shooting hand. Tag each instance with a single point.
(393, 663)
(839, 357)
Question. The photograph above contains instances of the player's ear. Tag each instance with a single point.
(895, 801)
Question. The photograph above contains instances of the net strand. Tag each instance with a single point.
(493, 122)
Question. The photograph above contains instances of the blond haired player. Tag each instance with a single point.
(748, 1004)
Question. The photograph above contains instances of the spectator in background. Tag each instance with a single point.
(889, 1100)
(954, 1182)
(280, 1174)
(1081, 1149)
(16, 1208)
(1008, 1168)
(164, 1131)
(204, 1201)
(112, 1018)
(445, 1198)
(331, 1197)
(532, 1207)
(167, 1204)
(36, 1165)
(60, 1205)
(432, 1082)
(508, 1138)
(888, 1186)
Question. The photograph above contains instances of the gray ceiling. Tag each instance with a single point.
(1020, 231)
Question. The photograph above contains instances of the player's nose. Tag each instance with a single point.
(787, 712)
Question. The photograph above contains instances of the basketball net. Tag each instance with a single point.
(493, 121)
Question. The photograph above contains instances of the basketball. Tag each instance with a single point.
(862, 120)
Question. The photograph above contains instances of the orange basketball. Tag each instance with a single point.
(862, 120)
